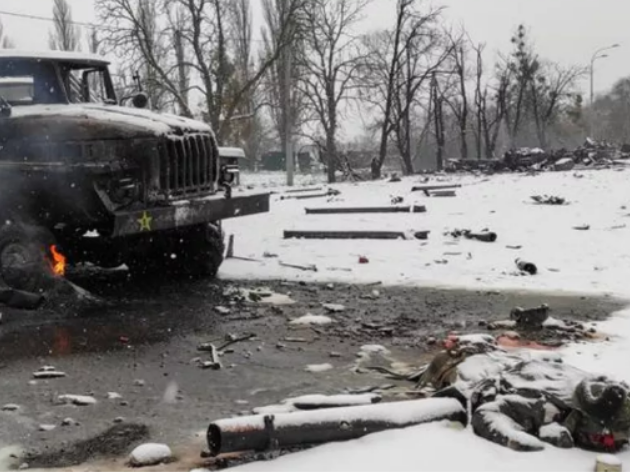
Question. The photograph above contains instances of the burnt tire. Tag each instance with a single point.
(202, 251)
(25, 257)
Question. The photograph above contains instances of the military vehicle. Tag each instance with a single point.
(84, 179)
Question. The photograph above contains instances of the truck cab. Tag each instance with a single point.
(74, 162)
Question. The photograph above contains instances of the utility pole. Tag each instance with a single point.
(288, 118)
(288, 128)
(596, 55)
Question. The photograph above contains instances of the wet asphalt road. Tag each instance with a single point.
(142, 344)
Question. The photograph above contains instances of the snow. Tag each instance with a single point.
(552, 430)
(585, 262)
(80, 400)
(151, 122)
(374, 349)
(150, 454)
(509, 428)
(68, 56)
(402, 414)
(318, 368)
(310, 319)
(608, 459)
(363, 399)
(568, 260)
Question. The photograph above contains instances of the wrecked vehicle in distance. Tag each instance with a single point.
(91, 181)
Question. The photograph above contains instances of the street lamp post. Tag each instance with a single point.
(598, 55)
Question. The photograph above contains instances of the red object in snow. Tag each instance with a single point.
(363, 260)
(124, 339)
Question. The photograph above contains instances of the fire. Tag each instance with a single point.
(58, 262)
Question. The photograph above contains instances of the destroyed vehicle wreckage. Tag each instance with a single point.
(91, 181)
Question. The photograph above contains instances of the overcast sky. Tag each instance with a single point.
(567, 31)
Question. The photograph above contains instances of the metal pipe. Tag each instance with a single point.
(354, 235)
(268, 432)
(349, 210)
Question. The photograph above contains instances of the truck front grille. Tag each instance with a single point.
(188, 166)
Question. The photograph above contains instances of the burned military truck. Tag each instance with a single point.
(84, 179)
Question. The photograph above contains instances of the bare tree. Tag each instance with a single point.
(66, 36)
(207, 34)
(459, 102)
(548, 92)
(94, 41)
(400, 62)
(331, 62)
(280, 94)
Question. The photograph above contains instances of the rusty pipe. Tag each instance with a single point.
(268, 432)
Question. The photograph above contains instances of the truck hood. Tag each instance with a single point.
(90, 121)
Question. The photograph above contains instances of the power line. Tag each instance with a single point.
(44, 18)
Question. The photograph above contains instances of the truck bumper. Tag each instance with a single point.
(188, 213)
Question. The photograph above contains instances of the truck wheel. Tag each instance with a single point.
(203, 250)
(25, 258)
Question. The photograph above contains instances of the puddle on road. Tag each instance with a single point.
(136, 315)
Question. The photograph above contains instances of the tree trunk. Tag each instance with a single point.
(331, 155)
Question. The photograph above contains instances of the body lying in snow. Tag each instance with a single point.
(526, 399)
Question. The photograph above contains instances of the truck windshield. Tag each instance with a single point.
(35, 82)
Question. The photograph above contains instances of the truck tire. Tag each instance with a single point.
(25, 257)
(192, 252)
(203, 251)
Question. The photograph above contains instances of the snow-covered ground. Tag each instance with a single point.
(594, 262)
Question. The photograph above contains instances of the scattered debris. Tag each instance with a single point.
(442, 193)
(532, 318)
(308, 268)
(214, 363)
(549, 200)
(436, 187)
(360, 210)
(582, 227)
(139, 382)
(333, 307)
(317, 368)
(363, 260)
(69, 422)
(310, 319)
(525, 266)
(10, 407)
(355, 235)
(49, 374)
(113, 396)
(46, 427)
(485, 235)
(222, 310)
(150, 454)
(79, 400)
(397, 200)
(330, 193)
(329, 424)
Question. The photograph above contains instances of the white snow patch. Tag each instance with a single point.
(317, 368)
(310, 319)
(509, 428)
(362, 399)
(150, 454)
(274, 409)
(609, 459)
(113, 396)
(80, 400)
(402, 414)
(333, 307)
(374, 349)
(552, 431)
